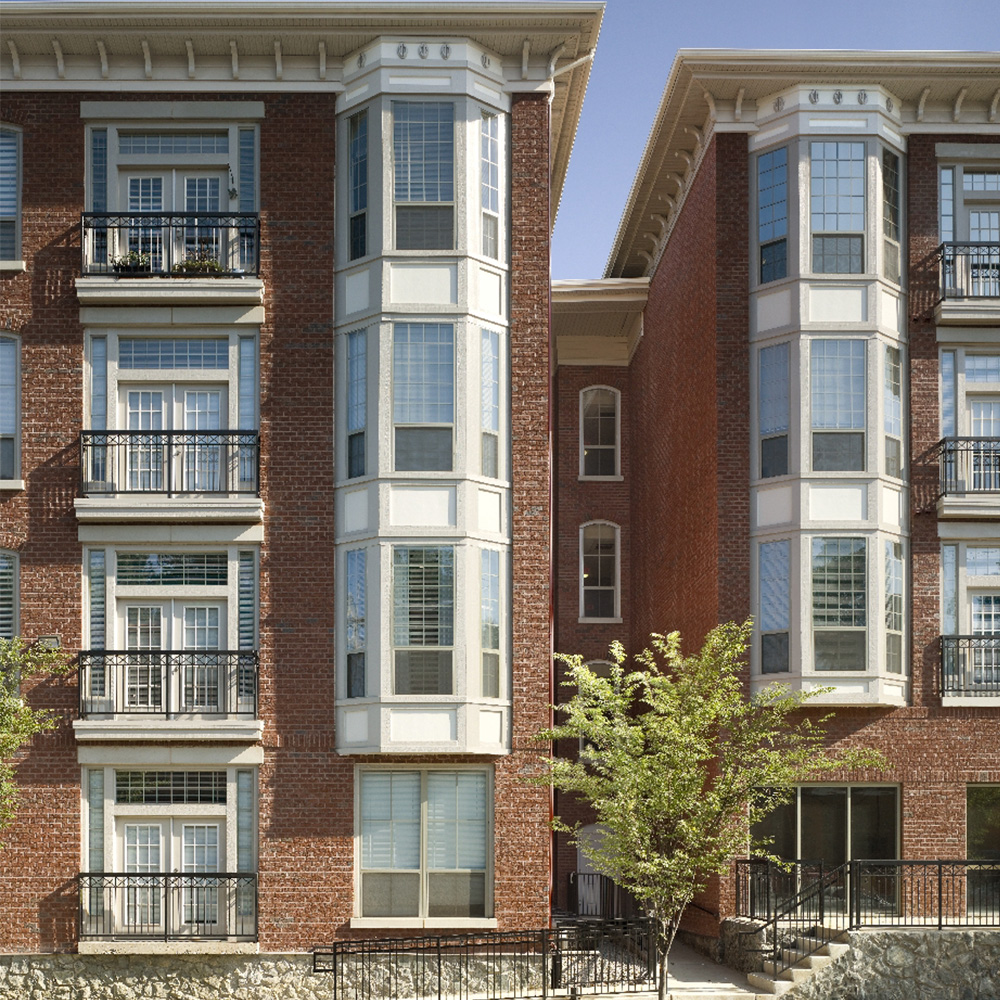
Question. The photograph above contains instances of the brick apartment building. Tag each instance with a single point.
(275, 464)
(783, 400)
(288, 467)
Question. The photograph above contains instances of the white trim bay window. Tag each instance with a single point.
(772, 214)
(599, 572)
(357, 140)
(774, 569)
(600, 433)
(837, 405)
(773, 408)
(423, 396)
(356, 619)
(423, 619)
(837, 207)
(423, 144)
(840, 603)
(425, 844)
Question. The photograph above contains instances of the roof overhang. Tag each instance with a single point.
(724, 88)
(101, 45)
(597, 321)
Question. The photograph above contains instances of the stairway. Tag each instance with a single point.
(808, 953)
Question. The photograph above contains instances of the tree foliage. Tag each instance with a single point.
(19, 721)
(677, 764)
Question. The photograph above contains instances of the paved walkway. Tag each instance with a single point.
(692, 976)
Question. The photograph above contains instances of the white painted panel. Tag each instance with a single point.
(488, 92)
(356, 292)
(490, 726)
(774, 310)
(398, 79)
(353, 95)
(837, 305)
(424, 284)
(489, 292)
(774, 506)
(355, 725)
(855, 123)
(837, 503)
(489, 511)
(839, 687)
(890, 307)
(356, 510)
(408, 726)
(892, 501)
(422, 506)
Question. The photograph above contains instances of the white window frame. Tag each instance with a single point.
(616, 476)
(825, 232)
(865, 629)
(16, 261)
(617, 584)
(361, 921)
(15, 482)
(9, 602)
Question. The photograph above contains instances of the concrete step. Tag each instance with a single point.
(764, 983)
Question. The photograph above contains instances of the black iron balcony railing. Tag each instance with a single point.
(970, 665)
(880, 893)
(970, 270)
(168, 906)
(969, 465)
(152, 244)
(168, 684)
(169, 462)
(594, 895)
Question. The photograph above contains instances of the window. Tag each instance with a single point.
(8, 594)
(357, 402)
(490, 183)
(170, 821)
(773, 410)
(970, 421)
(357, 598)
(839, 603)
(357, 141)
(891, 214)
(599, 449)
(10, 408)
(10, 194)
(423, 140)
(892, 403)
(423, 396)
(489, 617)
(425, 843)
(490, 394)
(970, 618)
(970, 214)
(982, 830)
(775, 605)
(835, 823)
(837, 390)
(837, 207)
(423, 619)
(894, 607)
(772, 214)
(599, 571)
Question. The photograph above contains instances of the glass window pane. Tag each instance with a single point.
(983, 822)
(824, 824)
(874, 815)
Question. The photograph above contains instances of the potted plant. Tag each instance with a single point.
(198, 263)
(133, 262)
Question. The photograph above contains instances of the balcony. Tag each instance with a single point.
(969, 476)
(168, 907)
(163, 244)
(169, 462)
(970, 283)
(970, 669)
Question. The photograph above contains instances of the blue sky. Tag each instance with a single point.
(639, 39)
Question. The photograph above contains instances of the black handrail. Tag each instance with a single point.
(969, 465)
(970, 666)
(169, 683)
(155, 244)
(969, 270)
(168, 906)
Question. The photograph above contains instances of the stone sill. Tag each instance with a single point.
(13, 265)
(969, 505)
(132, 728)
(430, 923)
(132, 509)
(169, 291)
(168, 948)
(970, 701)
(968, 312)
(11, 484)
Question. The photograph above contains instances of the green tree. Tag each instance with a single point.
(678, 764)
(19, 722)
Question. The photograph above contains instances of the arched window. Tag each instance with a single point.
(599, 572)
(599, 432)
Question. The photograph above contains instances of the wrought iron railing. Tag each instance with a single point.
(594, 895)
(970, 665)
(762, 885)
(168, 906)
(189, 245)
(878, 893)
(168, 684)
(169, 462)
(970, 270)
(969, 465)
(587, 957)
